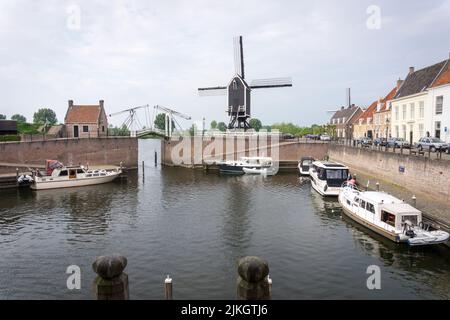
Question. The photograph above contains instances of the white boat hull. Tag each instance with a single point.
(77, 182)
(263, 171)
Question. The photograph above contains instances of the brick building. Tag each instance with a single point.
(86, 121)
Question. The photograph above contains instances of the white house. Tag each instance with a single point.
(438, 120)
(411, 107)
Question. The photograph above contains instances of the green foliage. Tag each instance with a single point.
(255, 124)
(116, 131)
(28, 128)
(192, 130)
(213, 124)
(6, 138)
(19, 118)
(222, 126)
(45, 115)
(2, 117)
(160, 121)
(297, 130)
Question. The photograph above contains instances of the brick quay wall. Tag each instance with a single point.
(95, 151)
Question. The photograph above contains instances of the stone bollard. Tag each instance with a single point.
(252, 282)
(414, 200)
(111, 282)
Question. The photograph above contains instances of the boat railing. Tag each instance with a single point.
(350, 184)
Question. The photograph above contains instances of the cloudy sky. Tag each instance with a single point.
(131, 53)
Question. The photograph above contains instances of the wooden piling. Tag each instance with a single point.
(414, 200)
(111, 282)
(17, 176)
(156, 159)
(378, 186)
(168, 288)
(252, 282)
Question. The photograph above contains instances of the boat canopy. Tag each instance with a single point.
(400, 208)
(329, 165)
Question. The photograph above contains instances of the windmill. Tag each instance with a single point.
(239, 91)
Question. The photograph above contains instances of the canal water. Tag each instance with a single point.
(195, 226)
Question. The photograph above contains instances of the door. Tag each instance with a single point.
(411, 138)
(75, 131)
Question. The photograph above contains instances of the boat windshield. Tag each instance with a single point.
(337, 174)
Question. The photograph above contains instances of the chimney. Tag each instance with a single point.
(342, 108)
(70, 104)
(399, 83)
(411, 70)
(101, 103)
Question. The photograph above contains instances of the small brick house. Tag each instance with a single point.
(86, 121)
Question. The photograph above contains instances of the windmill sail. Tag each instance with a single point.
(271, 83)
(212, 91)
(239, 56)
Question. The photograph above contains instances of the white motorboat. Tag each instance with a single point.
(328, 177)
(262, 171)
(304, 165)
(237, 167)
(388, 216)
(72, 176)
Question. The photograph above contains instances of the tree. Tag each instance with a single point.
(19, 118)
(160, 121)
(2, 117)
(255, 124)
(222, 126)
(192, 130)
(213, 124)
(45, 115)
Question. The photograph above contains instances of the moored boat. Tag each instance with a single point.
(328, 177)
(237, 167)
(72, 176)
(262, 171)
(304, 165)
(388, 216)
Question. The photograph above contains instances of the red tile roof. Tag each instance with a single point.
(83, 114)
(368, 113)
(389, 96)
(444, 78)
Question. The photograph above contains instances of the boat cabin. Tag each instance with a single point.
(375, 206)
(335, 174)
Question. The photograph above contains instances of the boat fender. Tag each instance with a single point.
(325, 188)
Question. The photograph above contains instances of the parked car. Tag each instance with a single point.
(433, 144)
(380, 142)
(398, 143)
(325, 137)
(288, 136)
(366, 141)
(312, 136)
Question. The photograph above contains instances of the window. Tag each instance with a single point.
(412, 110)
(396, 112)
(421, 109)
(439, 104)
(437, 129)
(85, 128)
(387, 217)
(337, 174)
(362, 204)
(397, 133)
(103, 128)
(420, 129)
(404, 112)
(370, 207)
(404, 131)
(63, 173)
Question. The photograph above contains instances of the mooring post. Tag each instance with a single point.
(168, 288)
(17, 176)
(156, 158)
(367, 185)
(143, 169)
(252, 282)
(269, 281)
(111, 282)
(378, 186)
(414, 200)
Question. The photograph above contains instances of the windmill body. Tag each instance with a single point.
(239, 91)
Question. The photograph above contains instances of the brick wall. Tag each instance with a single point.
(288, 151)
(99, 151)
(421, 174)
